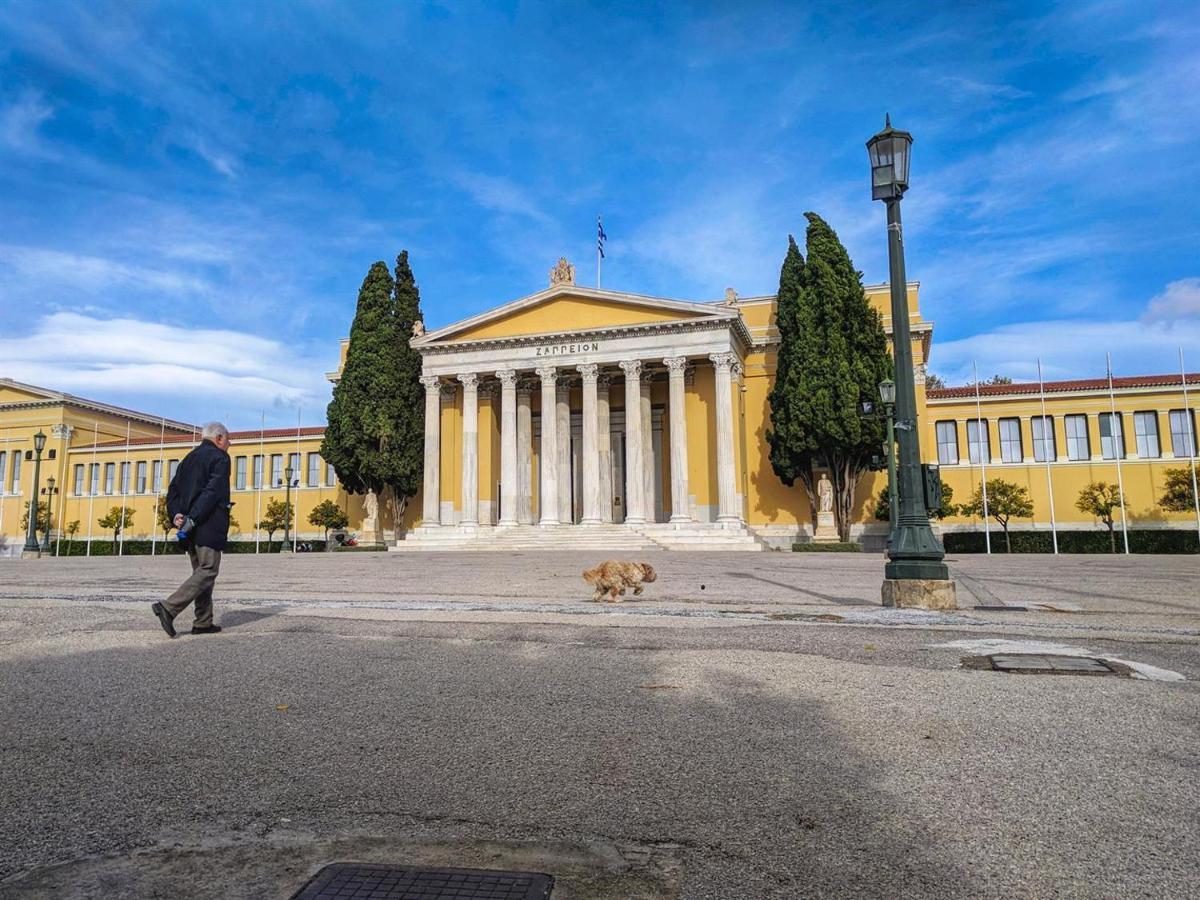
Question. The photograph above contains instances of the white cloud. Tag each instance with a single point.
(20, 121)
(186, 373)
(54, 269)
(1180, 300)
(500, 194)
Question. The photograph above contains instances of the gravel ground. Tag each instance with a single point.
(707, 743)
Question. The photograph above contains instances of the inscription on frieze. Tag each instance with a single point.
(567, 349)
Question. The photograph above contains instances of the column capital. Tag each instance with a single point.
(546, 373)
(469, 380)
(675, 364)
(562, 389)
(603, 381)
(525, 387)
(589, 371)
(508, 377)
(448, 392)
(489, 390)
(431, 382)
(631, 367)
(723, 360)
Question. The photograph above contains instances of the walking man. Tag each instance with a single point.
(200, 492)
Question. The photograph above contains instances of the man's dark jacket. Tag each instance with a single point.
(200, 490)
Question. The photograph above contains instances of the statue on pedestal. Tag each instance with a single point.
(826, 524)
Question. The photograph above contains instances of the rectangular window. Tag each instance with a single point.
(330, 475)
(239, 483)
(1078, 446)
(314, 470)
(975, 445)
(277, 470)
(1112, 436)
(79, 479)
(3, 464)
(947, 443)
(16, 472)
(141, 478)
(94, 480)
(172, 468)
(1145, 429)
(157, 476)
(110, 475)
(1183, 433)
(1010, 440)
(258, 471)
(1043, 439)
(294, 465)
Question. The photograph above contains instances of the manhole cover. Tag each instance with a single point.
(1045, 664)
(360, 881)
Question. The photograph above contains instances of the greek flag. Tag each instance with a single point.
(601, 237)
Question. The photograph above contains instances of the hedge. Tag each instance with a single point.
(1141, 540)
(828, 547)
(137, 547)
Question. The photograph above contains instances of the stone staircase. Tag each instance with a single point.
(606, 538)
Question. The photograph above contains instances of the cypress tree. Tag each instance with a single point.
(837, 358)
(375, 432)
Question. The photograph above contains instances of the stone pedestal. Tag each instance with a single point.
(826, 532)
(915, 593)
(31, 554)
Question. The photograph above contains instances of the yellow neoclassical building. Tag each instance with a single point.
(584, 417)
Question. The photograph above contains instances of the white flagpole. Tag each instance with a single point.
(985, 449)
(92, 484)
(299, 466)
(262, 461)
(157, 490)
(62, 504)
(1048, 441)
(1191, 422)
(599, 255)
(125, 473)
(3, 490)
(1118, 449)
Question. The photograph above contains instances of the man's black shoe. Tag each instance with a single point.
(164, 618)
(211, 629)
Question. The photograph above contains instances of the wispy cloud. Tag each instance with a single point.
(1180, 300)
(55, 270)
(20, 121)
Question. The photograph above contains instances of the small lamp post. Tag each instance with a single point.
(49, 492)
(288, 473)
(887, 412)
(31, 549)
(915, 555)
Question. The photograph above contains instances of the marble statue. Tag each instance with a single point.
(370, 513)
(825, 494)
(562, 273)
(418, 328)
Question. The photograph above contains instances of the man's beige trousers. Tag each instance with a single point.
(206, 562)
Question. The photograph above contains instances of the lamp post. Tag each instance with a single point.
(31, 549)
(915, 554)
(287, 504)
(887, 412)
(49, 492)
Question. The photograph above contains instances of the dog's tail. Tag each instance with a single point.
(591, 576)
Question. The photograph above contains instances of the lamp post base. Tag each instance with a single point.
(31, 554)
(919, 593)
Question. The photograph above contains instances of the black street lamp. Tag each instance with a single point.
(49, 492)
(31, 548)
(914, 554)
(288, 474)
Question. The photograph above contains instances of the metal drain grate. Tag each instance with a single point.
(362, 881)
(1045, 664)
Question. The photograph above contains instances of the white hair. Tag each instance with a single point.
(214, 430)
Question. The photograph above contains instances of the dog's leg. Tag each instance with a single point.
(637, 590)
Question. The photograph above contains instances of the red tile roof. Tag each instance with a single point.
(235, 436)
(1059, 387)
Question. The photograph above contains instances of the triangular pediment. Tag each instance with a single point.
(17, 392)
(572, 309)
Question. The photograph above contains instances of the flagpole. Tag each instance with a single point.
(299, 466)
(1046, 444)
(157, 489)
(985, 449)
(62, 504)
(262, 475)
(1118, 450)
(1191, 421)
(124, 491)
(599, 252)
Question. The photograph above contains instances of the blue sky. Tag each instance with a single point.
(192, 193)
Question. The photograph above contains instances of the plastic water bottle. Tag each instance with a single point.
(185, 529)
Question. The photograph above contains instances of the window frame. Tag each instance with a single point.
(1189, 420)
(77, 476)
(1116, 442)
(258, 469)
(110, 479)
(239, 473)
(3, 472)
(15, 479)
(139, 477)
(1139, 417)
(294, 460)
(941, 444)
(277, 469)
(1068, 420)
(94, 480)
(1047, 427)
(313, 474)
(975, 458)
(156, 472)
(1001, 425)
(330, 475)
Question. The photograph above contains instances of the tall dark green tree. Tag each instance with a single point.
(833, 355)
(375, 434)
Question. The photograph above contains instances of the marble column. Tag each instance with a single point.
(648, 451)
(590, 453)
(548, 457)
(604, 442)
(524, 454)
(470, 450)
(562, 419)
(726, 476)
(508, 446)
(680, 506)
(432, 488)
(635, 484)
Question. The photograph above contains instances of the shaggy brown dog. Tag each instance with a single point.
(613, 577)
